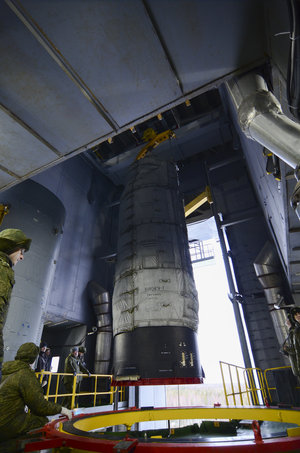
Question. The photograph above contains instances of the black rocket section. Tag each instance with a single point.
(155, 304)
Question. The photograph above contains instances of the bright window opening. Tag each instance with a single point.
(54, 364)
(217, 333)
(201, 250)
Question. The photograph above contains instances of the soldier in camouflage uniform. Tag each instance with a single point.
(295, 314)
(20, 387)
(13, 245)
(288, 347)
(73, 365)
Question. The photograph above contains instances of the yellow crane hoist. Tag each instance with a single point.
(154, 140)
(4, 209)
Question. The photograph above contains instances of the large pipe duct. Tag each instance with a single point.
(102, 306)
(155, 305)
(261, 118)
(267, 269)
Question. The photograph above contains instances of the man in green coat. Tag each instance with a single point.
(13, 245)
(295, 314)
(73, 365)
(20, 388)
(288, 347)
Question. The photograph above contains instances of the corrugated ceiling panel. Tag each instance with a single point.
(209, 39)
(37, 90)
(118, 49)
(113, 47)
(14, 155)
(4, 180)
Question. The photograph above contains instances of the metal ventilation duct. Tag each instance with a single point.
(262, 120)
(267, 269)
(155, 305)
(102, 306)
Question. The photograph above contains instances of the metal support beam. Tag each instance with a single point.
(244, 216)
(197, 202)
(29, 129)
(163, 45)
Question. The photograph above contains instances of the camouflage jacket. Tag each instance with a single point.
(73, 365)
(296, 344)
(288, 349)
(7, 282)
(20, 387)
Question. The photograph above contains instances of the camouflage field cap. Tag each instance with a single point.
(82, 349)
(27, 352)
(294, 310)
(12, 240)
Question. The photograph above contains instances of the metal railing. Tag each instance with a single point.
(244, 383)
(55, 383)
(201, 250)
(269, 388)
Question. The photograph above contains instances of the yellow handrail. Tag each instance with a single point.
(266, 379)
(250, 376)
(57, 376)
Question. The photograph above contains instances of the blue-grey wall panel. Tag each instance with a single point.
(40, 215)
(277, 32)
(72, 182)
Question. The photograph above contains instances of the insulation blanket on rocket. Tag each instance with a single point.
(154, 283)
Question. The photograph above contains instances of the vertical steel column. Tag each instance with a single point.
(236, 310)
